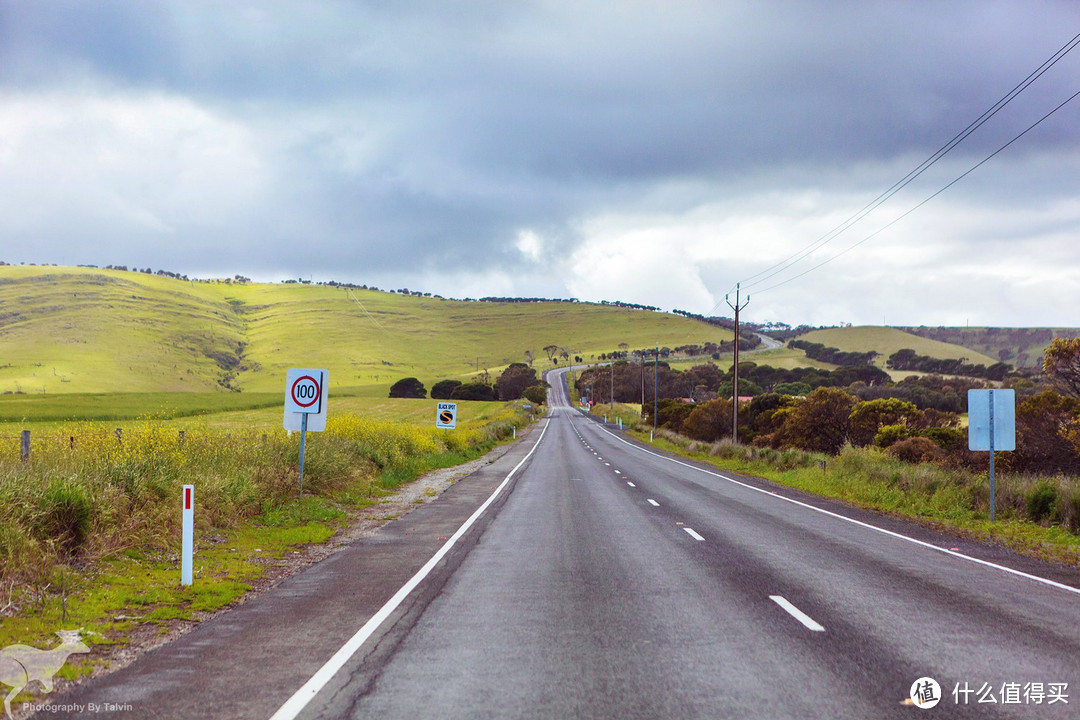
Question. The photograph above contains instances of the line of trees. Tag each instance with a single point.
(835, 356)
(908, 359)
(518, 380)
(916, 420)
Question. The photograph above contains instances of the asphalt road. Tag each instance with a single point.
(607, 581)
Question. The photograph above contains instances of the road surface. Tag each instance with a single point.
(608, 581)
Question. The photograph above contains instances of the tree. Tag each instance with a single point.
(529, 357)
(793, 388)
(536, 394)
(1061, 363)
(1046, 440)
(551, 350)
(709, 421)
(868, 417)
(513, 381)
(820, 423)
(408, 387)
(443, 389)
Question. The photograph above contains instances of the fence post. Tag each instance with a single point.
(119, 434)
(180, 438)
(25, 445)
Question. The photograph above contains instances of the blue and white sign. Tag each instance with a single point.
(992, 409)
(446, 416)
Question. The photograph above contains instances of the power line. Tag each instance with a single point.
(897, 219)
(899, 185)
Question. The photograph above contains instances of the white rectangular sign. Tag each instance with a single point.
(446, 415)
(1004, 405)
(305, 394)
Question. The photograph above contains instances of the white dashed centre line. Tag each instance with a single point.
(691, 533)
(653, 502)
(630, 484)
(618, 472)
(796, 613)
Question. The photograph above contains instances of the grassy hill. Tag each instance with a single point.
(1022, 347)
(887, 340)
(85, 330)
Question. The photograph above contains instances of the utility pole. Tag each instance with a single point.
(737, 307)
(656, 384)
(641, 358)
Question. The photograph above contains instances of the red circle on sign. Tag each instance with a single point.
(305, 402)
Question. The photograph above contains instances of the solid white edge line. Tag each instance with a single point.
(860, 523)
(652, 502)
(796, 613)
(691, 533)
(299, 700)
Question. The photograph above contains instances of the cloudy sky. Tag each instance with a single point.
(653, 152)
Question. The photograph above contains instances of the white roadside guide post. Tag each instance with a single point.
(992, 426)
(305, 407)
(187, 523)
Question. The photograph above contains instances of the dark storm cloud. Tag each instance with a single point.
(354, 138)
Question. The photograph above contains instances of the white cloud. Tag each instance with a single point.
(131, 164)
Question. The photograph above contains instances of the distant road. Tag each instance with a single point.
(768, 343)
(609, 581)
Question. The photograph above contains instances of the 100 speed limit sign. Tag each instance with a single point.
(304, 390)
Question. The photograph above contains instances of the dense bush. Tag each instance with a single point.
(708, 421)
(444, 389)
(513, 381)
(408, 388)
(916, 450)
(536, 394)
(473, 391)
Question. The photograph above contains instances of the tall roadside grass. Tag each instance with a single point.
(87, 493)
(1039, 515)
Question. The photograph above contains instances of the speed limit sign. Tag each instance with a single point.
(305, 396)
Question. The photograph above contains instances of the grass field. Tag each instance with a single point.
(887, 341)
(85, 330)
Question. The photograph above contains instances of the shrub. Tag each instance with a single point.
(65, 514)
(889, 435)
(916, 450)
(473, 391)
(536, 394)
(408, 388)
(820, 423)
(951, 440)
(709, 421)
(1041, 501)
(444, 389)
(869, 416)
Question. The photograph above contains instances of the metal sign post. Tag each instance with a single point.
(992, 426)
(305, 397)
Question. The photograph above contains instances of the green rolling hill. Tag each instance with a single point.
(88, 330)
(886, 341)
